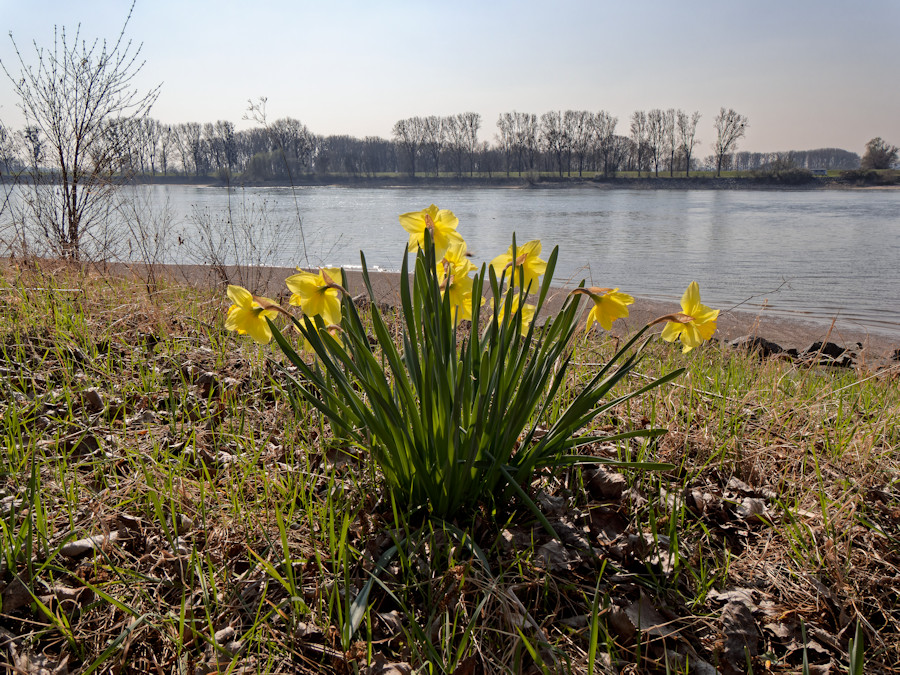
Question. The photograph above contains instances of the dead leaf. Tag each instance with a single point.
(15, 595)
(647, 619)
(741, 636)
(607, 524)
(622, 627)
(380, 666)
(553, 556)
(73, 549)
(392, 621)
(752, 510)
(606, 485)
(26, 661)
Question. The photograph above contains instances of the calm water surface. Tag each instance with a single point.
(814, 254)
(819, 254)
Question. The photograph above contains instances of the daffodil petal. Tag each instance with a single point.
(260, 331)
(413, 222)
(671, 331)
(706, 330)
(704, 314)
(240, 296)
(690, 300)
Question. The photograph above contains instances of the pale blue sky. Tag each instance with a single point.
(807, 73)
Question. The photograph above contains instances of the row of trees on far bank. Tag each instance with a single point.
(88, 129)
(572, 142)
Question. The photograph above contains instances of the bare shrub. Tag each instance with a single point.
(239, 245)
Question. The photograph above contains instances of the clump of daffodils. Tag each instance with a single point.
(451, 413)
(519, 269)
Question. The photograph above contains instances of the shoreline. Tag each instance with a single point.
(790, 333)
(533, 183)
(757, 183)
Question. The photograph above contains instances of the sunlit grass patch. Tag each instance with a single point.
(231, 528)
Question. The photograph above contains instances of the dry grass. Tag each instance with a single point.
(231, 532)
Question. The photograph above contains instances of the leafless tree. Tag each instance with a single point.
(182, 142)
(525, 134)
(669, 138)
(76, 93)
(166, 143)
(455, 141)
(687, 136)
(621, 147)
(506, 137)
(378, 154)
(518, 137)
(147, 144)
(294, 139)
(409, 135)
(604, 130)
(581, 135)
(656, 137)
(554, 140)
(470, 123)
(488, 158)
(213, 144)
(639, 136)
(35, 149)
(433, 139)
(730, 127)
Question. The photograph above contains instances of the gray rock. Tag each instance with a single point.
(754, 343)
(829, 354)
(605, 485)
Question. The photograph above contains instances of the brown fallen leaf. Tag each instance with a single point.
(15, 595)
(741, 636)
(73, 549)
(647, 619)
(380, 666)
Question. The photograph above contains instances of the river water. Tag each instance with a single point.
(813, 254)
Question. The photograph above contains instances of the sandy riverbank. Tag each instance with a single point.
(797, 333)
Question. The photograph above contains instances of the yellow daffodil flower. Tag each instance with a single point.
(248, 314)
(318, 294)
(457, 258)
(440, 222)
(453, 277)
(526, 260)
(694, 324)
(609, 305)
(460, 292)
(527, 311)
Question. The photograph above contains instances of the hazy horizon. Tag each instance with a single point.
(806, 74)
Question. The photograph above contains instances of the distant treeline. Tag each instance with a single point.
(564, 143)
